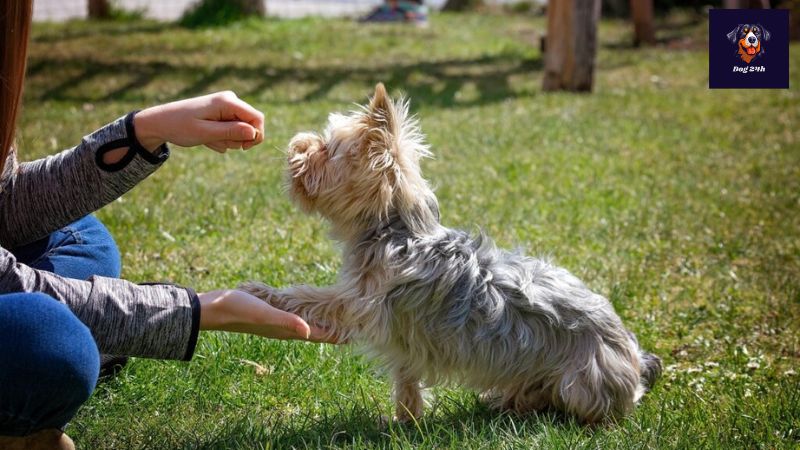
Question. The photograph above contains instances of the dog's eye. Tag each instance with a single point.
(745, 29)
(755, 29)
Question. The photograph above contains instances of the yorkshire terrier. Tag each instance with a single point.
(436, 305)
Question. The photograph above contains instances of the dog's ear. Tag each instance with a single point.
(734, 33)
(764, 33)
(381, 109)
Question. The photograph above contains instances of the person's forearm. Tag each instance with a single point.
(44, 195)
(154, 321)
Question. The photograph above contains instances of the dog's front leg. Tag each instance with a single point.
(408, 401)
(320, 306)
(265, 292)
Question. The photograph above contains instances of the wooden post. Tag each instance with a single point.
(253, 7)
(457, 5)
(571, 45)
(99, 9)
(744, 4)
(644, 31)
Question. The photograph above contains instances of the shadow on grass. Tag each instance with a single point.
(435, 83)
(668, 34)
(448, 421)
(98, 28)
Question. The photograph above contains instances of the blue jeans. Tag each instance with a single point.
(49, 361)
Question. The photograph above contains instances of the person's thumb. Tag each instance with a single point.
(228, 131)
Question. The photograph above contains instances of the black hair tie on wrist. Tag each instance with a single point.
(134, 148)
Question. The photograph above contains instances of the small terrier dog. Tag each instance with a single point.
(433, 304)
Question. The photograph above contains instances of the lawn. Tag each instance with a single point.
(678, 203)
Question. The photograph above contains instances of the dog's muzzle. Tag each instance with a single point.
(301, 148)
(750, 43)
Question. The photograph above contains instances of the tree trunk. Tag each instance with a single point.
(571, 45)
(616, 8)
(457, 5)
(253, 7)
(99, 9)
(744, 4)
(644, 31)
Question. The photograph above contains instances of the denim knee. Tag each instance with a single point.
(104, 252)
(49, 364)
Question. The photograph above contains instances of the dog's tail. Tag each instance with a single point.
(649, 368)
(649, 365)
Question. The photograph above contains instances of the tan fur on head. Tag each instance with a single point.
(436, 305)
(365, 166)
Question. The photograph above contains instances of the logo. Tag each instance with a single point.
(748, 48)
(748, 39)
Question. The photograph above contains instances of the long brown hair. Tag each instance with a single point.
(15, 24)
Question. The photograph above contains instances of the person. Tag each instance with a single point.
(62, 303)
(409, 11)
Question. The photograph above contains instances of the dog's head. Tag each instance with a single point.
(749, 39)
(364, 168)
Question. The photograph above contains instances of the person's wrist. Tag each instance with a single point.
(212, 311)
(146, 126)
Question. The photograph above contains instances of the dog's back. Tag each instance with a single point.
(458, 309)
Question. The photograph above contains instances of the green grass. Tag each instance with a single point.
(678, 203)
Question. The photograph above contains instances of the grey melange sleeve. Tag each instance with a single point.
(39, 197)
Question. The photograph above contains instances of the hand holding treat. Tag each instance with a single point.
(220, 121)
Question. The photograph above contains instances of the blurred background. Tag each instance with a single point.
(677, 202)
(58, 10)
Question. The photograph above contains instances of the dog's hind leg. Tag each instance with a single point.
(520, 400)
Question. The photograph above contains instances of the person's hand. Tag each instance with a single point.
(220, 121)
(237, 311)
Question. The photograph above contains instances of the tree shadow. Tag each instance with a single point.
(448, 421)
(669, 33)
(63, 32)
(486, 79)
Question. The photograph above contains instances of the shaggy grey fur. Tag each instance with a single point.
(437, 305)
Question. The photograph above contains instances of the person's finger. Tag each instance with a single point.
(259, 135)
(212, 131)
(301, 328)
(292, 323)
(241, 110)
(227, 106)
(225, 145)
(218, 147)
(235, 145)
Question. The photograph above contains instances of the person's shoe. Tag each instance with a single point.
(111, 365)
(41, 440)
(384, 14)
(404, 11)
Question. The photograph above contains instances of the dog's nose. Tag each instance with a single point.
(752, 39)
(304, 143)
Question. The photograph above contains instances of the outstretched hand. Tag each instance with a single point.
(220, 121)
(237, 311)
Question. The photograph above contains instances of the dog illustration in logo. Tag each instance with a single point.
(748, 39)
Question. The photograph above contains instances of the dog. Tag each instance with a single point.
(435, 305)
(748, 39)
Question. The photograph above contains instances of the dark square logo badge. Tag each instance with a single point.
(748, 48)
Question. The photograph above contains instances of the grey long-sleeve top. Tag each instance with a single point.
(39, 197)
